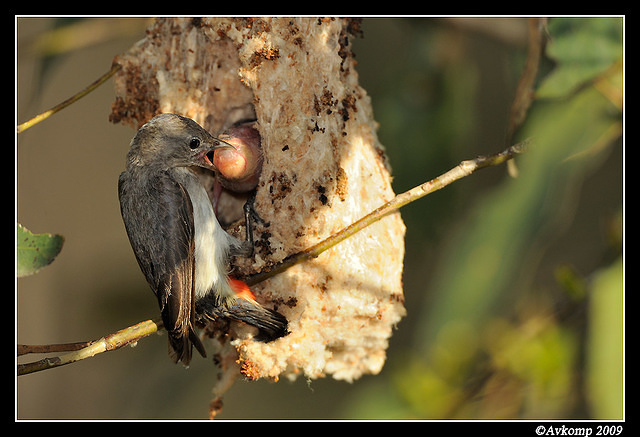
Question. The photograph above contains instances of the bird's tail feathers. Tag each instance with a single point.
(271, 324)
(244, 308)
(181, 343)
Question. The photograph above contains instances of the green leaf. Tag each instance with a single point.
(583, 49)
(34, 251)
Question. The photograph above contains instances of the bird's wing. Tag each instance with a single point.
(162, 240)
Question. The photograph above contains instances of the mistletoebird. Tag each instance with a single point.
(178, 242)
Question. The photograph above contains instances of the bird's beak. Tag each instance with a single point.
(205, 157)
(222, 144)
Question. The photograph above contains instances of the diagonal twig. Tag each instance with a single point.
(465, 168)
(110, 342)
(48, 113)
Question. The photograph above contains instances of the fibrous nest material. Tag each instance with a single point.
(323, 169)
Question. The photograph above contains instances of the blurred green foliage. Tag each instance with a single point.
(606, 343)
(583, 49)
(492, 340)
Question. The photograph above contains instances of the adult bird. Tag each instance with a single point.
(177, 240)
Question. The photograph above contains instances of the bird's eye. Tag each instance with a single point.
(194, 143)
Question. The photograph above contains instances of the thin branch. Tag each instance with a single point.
(111, 342)
(38, 118)
(24, 349)
(465, 168)
(524, 94)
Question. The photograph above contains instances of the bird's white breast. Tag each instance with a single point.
(211, 241)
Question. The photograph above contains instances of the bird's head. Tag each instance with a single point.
(171, 140)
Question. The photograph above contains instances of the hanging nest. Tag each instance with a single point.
(323, 169)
